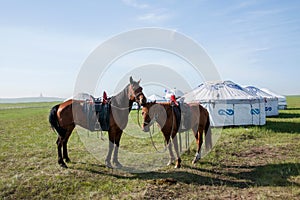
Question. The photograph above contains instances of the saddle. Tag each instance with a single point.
(99, 107)
(183, 115)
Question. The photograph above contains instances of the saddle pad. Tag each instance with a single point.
(185, 117)
(177, 112)
(103, 114)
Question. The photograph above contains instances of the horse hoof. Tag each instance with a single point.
(195, 160)
(108, 165)
(117, 164)
(67, 160)
(170, 163)
(63, 165)
(177, 166)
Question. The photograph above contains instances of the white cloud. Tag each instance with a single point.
(244, 5)
(135, 4)
(152, 15)
(261, 49)
(262, 13)
(155, 17)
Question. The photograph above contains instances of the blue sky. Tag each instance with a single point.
(43, 44)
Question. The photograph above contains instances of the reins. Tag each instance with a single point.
(151, 123)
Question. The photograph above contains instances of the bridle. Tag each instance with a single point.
(136, 93)
(152, 121)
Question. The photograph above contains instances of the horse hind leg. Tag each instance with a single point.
(199, 139)
(208, 136)
(65, 147)
(59, 143)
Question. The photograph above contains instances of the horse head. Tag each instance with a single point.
(150, 115)
(146, 117)
(136, 92)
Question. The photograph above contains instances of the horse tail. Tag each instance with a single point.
(208, 135)
(53, 120)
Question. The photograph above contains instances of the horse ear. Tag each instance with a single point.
(154, 101)
(131, 80)
(139, 81)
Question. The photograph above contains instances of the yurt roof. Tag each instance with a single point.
(258, 92)
(280, 97)
(219, 90)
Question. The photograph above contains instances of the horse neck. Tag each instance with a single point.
(121, 100)
(158, 112)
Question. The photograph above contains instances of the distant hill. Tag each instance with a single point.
(30, 99)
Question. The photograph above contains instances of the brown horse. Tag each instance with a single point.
(65, 116)
(171, 120)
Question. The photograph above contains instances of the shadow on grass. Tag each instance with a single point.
(271, 174)
(265, 175)
(287, 115)
(293, 109)
(285, 127)
(232, 176)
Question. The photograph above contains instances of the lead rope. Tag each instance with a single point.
(152, 123)
(138, 114)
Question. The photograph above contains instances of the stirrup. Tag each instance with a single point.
(97, 126)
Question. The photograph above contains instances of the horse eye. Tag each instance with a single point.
(143, 113)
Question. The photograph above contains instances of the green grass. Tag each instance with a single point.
(293, 102)
(260, 162)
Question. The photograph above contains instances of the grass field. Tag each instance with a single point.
(246, 163)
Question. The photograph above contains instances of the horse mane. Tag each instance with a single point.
(117, 101)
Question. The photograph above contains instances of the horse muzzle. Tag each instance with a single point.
(142, 100)
(145, 128)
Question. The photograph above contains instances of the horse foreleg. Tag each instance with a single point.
(116, 162)
(108, 157)
(115, 157)
(172, 157)
(169, 146)
(178, 162)
(59, 143)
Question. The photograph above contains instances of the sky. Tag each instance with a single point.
(43, 44)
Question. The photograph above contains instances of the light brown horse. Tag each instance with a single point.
(65, 116)
(168, 117)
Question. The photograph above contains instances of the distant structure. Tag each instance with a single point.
(168, 93)
(155, 97)
(41, 95)
(228, 104)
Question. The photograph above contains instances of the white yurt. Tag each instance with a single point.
(228, 104)
(282, 104)
(271, 101)
(155, 97)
